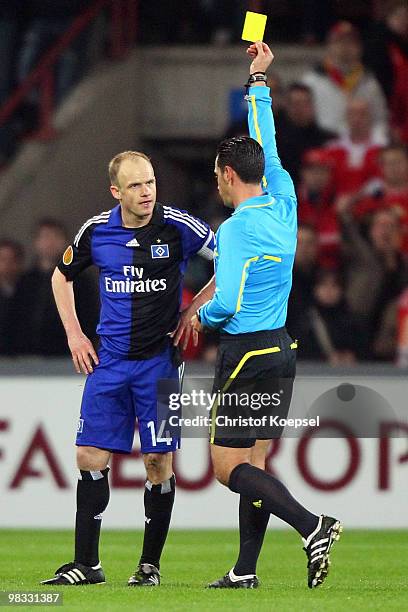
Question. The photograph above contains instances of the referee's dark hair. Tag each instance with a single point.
(244, 155)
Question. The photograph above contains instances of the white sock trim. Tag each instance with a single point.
(234, 578)
(312, 535)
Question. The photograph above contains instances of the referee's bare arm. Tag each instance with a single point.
(80, 346)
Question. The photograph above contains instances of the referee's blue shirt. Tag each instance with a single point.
(255, 247)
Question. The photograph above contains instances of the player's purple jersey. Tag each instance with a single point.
(141, 273)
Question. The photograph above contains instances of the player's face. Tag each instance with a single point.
(136, 188)
(223, 186)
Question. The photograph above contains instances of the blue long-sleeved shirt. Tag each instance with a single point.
(255, 247)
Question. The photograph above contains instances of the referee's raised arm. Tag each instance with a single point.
(276, 180)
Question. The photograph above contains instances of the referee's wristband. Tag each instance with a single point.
(255, 77)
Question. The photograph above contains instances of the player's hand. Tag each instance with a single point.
(83, 353)
(184, 326)
(197, 328)
(261, 55)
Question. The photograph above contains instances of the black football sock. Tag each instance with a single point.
(92, 499)
(252, 482)
(158, 503)
(253, 521)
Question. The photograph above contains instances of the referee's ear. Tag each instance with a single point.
(228, 174)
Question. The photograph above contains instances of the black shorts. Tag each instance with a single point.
(254, 376)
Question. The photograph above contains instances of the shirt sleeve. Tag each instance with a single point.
(197, 237)
(233, 258)
(77, 256)
(277, 180)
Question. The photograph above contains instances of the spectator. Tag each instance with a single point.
(315, 204)
(304, 274)
(355, 153)
(402, 318)
(297, 130)
(376, 273)
(37, 327)
(332, 333)
(341, 76)
(387, 56)
(392, 191)
(11, 267)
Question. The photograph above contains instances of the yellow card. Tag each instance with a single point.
(254, 26)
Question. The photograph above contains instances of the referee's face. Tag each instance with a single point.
(223, 186)
(136, 187)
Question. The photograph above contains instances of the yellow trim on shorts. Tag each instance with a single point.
(248, 355)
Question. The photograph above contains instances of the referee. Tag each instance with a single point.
(141, 249)
(254, 257)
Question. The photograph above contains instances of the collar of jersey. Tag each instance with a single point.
(115, 218)
(256, 202)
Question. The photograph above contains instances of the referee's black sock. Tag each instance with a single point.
(253, 521)
(249, 480)
(92, 499)
(158, 503)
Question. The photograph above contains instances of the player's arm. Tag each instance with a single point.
(262, 125)
(197, 239)
(76, 258)
(80, 346)
(233, 264)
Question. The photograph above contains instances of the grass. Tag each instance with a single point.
(369, 572)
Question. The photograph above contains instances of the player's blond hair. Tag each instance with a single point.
(115, 163)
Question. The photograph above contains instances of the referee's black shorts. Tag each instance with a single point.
(254, 376)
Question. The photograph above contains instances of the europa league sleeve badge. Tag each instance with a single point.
(68, 256)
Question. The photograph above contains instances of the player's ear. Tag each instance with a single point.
(115, 192)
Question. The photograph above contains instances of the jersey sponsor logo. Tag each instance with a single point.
(159, 251)
(68, 256)
(133, 243)
(135, 286)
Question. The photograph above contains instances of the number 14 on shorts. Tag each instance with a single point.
(159, 439)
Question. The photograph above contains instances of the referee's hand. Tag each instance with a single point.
(261, 55)
(184, 327)
(83, 353)
(197, 328)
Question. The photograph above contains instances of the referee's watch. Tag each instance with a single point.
(198, 315)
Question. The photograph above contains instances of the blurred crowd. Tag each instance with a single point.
(29, 321)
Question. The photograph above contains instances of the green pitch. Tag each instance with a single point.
(368, 572)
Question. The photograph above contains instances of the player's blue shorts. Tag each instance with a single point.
(116, 393)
